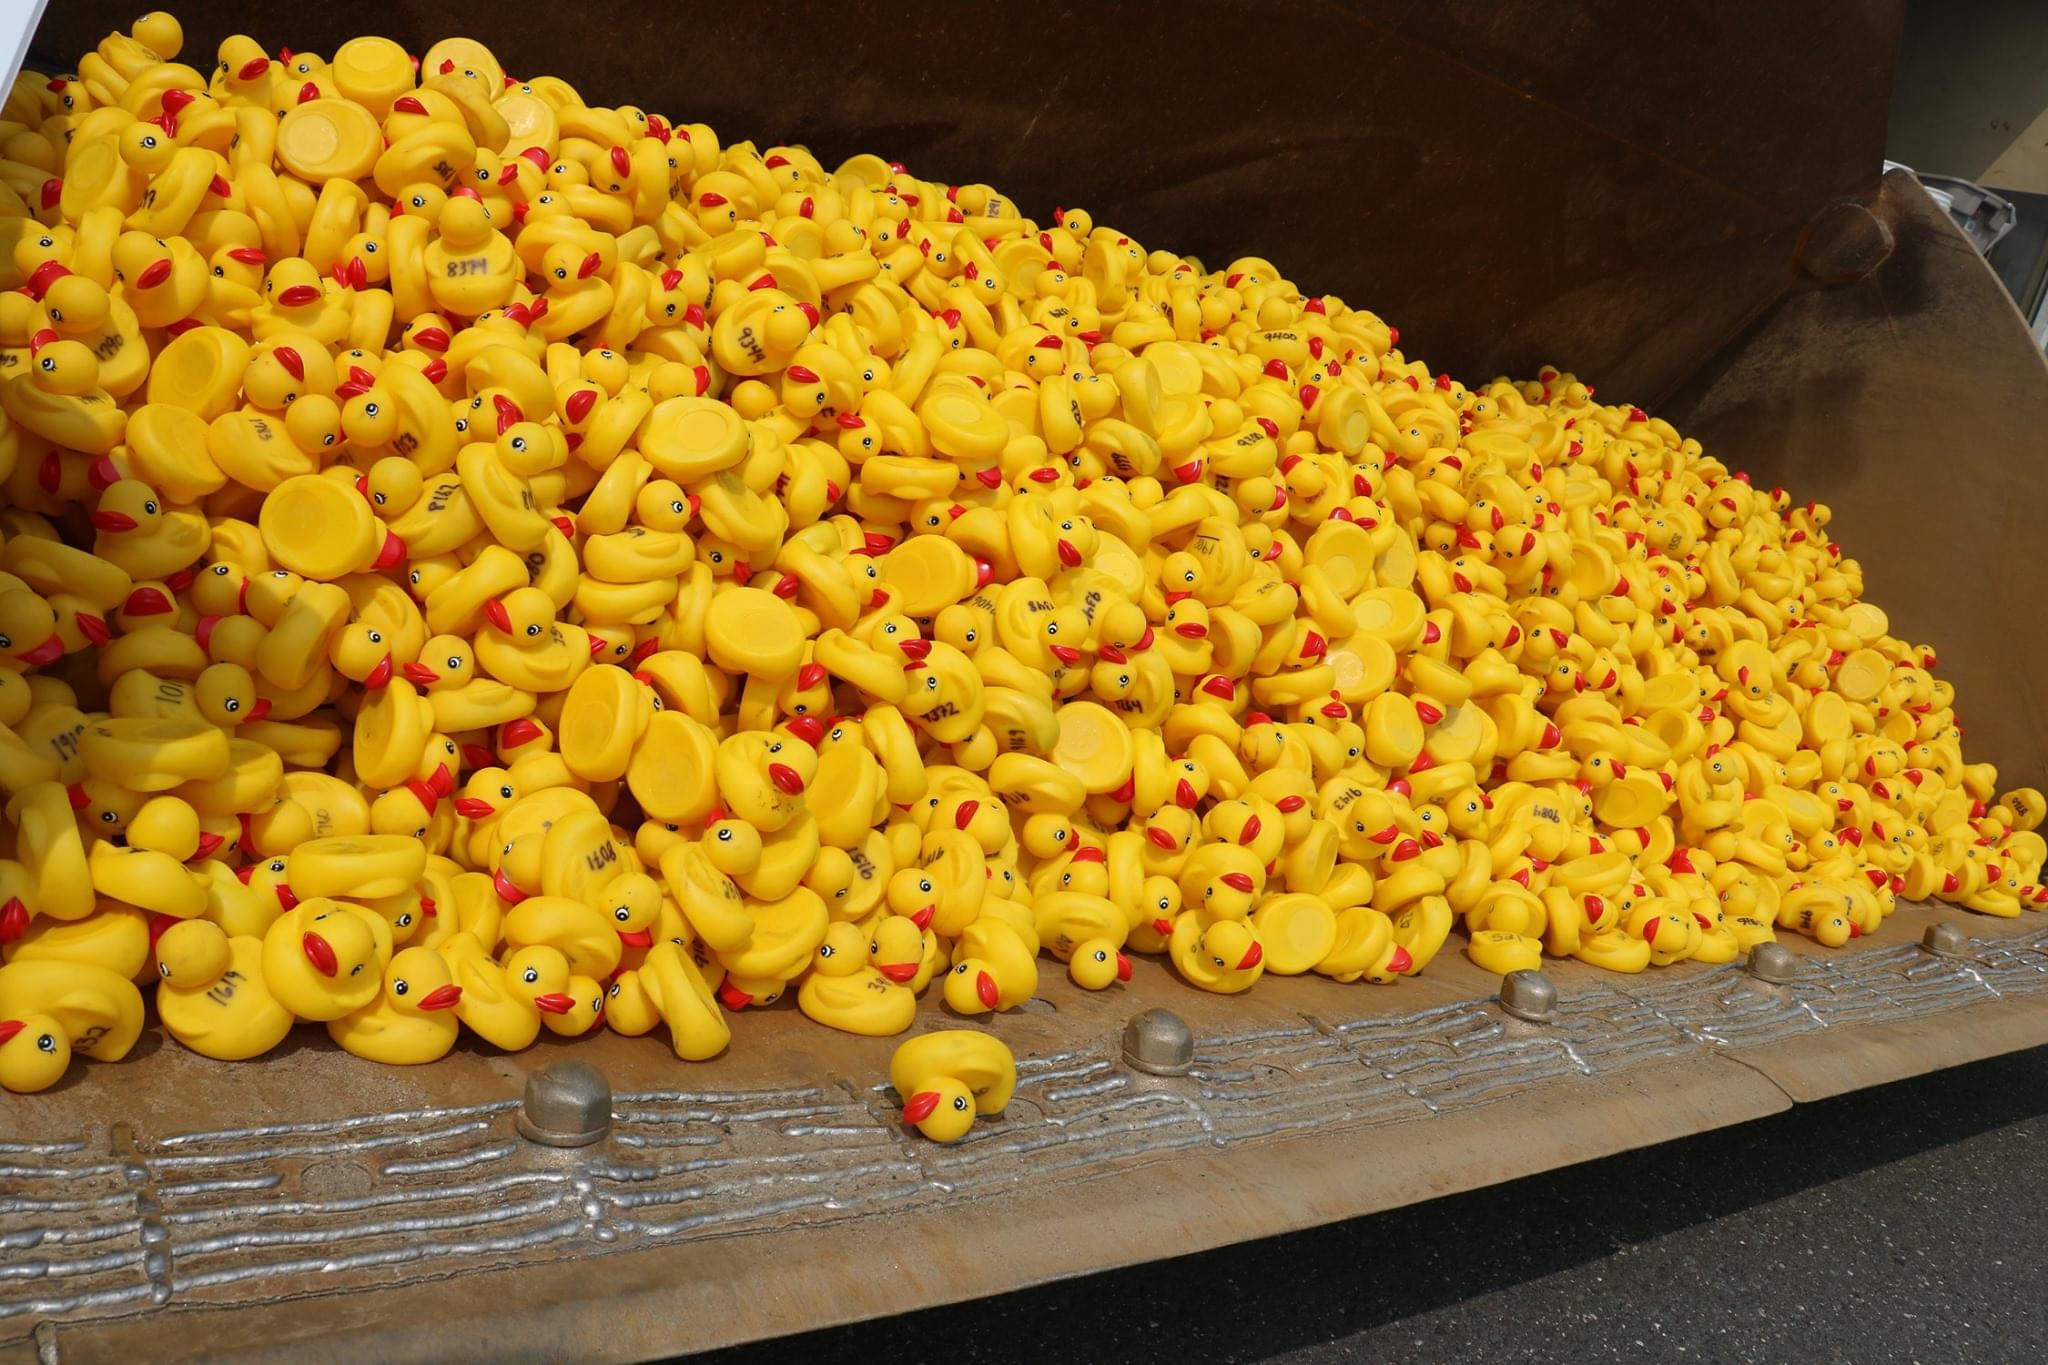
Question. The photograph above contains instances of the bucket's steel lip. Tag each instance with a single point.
(340, 1193)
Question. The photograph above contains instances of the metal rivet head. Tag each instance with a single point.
(1530, 996)
(1773, 962)
(568, 1104)
(1159, 1042)
(1946, 940)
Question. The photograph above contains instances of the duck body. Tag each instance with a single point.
(231, 1017)
(99, 1012)
(412, 1020)
(949, 1077)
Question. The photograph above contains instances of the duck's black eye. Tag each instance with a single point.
(46, 1042)
(622, 914)
(399, 987)
(531, 975)
(960, 1103)
(356, 970)
(533, 630)
(725, 836)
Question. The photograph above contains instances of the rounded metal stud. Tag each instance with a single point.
(1773, 962)
(567, 1104)
(1159, 1043)
(1530, 996)
(1946, 940)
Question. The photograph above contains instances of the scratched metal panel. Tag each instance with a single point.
(103, 1221)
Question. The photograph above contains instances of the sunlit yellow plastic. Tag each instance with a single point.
(964, 1072)
(365, 866)
(211, 993)
(319, 528)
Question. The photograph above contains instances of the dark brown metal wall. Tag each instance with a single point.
(1610, 184)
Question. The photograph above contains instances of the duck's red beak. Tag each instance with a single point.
(13, 920)
(809, 729)
(495, 613)
(899, 972)
(786, 779)
(146, 602)
(298, 296)
(209, 844)
(636, 938)
(554, 1003)
(379, 677)
(10, 1027)
(474, 808)
(113, 521)
(733, 997)
(154, 274)
(48, 652)
(985, 987)
(319, 952)
(441, 998)
(420, 675)
(258, 709)
(923, 918)
(964, 815)
(515, 733)
(1123, 967)
(508, 891)
(916, 1109)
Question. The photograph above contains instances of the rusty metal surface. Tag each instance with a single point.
(1608, 184)
(142, 1194)
(1914, 404)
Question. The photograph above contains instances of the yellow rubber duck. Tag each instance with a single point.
(1225, 957)
(164, 282)
(211, 994)
(143, 535)
(57, 396)
(115, 937)
(946, 1078)
(503, 1004)
(35, 1052)
(324, 958)
(581, 933)
(409, 1022)
(526, 647)
(842, 991)
(993, 969)
(80, 309)
(471, 267)
(97, 1013)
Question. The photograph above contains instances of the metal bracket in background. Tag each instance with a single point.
(1984, 216)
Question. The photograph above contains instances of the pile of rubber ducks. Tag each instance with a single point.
(475, 560)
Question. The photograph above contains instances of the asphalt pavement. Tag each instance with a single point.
(1902, 1223)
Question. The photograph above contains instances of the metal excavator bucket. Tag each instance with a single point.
(1680, 201)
